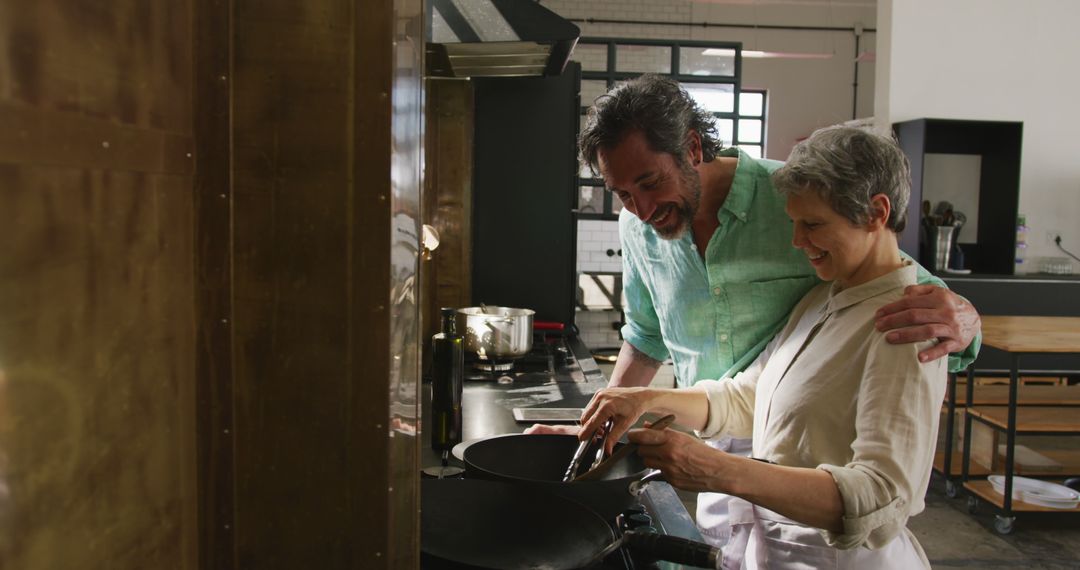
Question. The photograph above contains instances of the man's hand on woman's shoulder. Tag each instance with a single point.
(926, 312)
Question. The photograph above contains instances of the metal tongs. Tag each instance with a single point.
(598, 439)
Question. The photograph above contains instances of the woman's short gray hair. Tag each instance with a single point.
(848, 166)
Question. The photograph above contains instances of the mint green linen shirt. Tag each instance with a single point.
(713, 316)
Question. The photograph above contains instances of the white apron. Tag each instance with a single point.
(712, 508)
(765, 539)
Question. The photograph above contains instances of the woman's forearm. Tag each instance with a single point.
(808, 496)
(690, 406)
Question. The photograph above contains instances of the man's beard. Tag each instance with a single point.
(684, 212)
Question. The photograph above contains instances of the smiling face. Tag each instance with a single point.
(652, 185)
(838, 249)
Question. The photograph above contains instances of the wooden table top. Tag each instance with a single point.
(1032, 419)
(1032, 334)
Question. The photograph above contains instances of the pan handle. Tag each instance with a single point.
(638, 487)
(673, 549)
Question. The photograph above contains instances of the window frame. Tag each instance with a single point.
(611, 76)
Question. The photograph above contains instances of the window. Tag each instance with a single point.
(710, 72)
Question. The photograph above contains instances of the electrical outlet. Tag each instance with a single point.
(1051, 236)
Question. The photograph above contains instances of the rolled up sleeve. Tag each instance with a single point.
(896, 431)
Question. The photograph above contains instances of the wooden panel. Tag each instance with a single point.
(1032, 334)
(97, 401)
(125, 61)
(324, 214)
(1027, 395)
(290, 173)
(96, 344)
(986, 491)
(448, 197)
(213, 300)
(1037, 419)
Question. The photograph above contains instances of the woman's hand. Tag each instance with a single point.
(687, 462)
(623, 405)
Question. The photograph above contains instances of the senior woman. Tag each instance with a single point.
(844, 423)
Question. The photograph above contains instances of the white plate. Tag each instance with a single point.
(1037, 492)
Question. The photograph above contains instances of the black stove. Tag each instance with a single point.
(550, 359)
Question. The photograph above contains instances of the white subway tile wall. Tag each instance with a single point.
(595, 239)
(597, 328)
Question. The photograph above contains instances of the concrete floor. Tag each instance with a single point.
(954, 538)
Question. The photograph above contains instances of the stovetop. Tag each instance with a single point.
(551, 358)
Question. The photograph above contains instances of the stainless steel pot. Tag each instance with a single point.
(496, 333)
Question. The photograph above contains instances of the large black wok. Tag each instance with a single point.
(470, 523)
(539, 461)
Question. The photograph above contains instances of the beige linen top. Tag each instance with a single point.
(829, 392)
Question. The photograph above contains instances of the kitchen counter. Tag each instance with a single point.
(487, 408)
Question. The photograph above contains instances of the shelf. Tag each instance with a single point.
(1047, 419)
(1029, 395)
(1069, 460)
(976, 470)
(985, 491)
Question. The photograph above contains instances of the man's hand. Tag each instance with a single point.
(926, 312)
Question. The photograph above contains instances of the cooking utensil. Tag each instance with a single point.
(592, 446)
(538, 461)
(599, 471)
(496, 525)
(496, 333)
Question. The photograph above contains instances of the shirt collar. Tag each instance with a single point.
(842, 299)
(743, 186)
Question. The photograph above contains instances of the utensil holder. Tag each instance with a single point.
(941, 244)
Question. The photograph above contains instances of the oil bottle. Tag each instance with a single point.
(447, 370)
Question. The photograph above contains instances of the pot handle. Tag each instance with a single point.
(502, 320)
(638, 487)
(674, 549)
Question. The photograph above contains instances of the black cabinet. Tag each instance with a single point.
(998, 145)
(524, 194)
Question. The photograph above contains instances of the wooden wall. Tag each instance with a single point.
(448, 147)
(97, 440)
(208, 315)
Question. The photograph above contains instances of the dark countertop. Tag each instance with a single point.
(487, 408)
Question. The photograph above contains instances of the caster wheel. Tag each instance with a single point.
(950, 490)
(972, 504)
(1004, 525)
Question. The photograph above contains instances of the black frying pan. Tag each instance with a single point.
(470, 523)
(467, 523)
(539, 461)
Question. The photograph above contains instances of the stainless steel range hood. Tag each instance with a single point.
(497, 38)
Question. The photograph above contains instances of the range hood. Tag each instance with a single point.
(497, 38)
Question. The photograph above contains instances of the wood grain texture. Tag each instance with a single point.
(1027, 395)
(1032, 334)
(448, 197)
(212, 30)
(1034, 419)
(97, 434)
(986, 491)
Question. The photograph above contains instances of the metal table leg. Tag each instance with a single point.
(1004, 522)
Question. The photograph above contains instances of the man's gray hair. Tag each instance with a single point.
(657, 106)
(847, 166)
